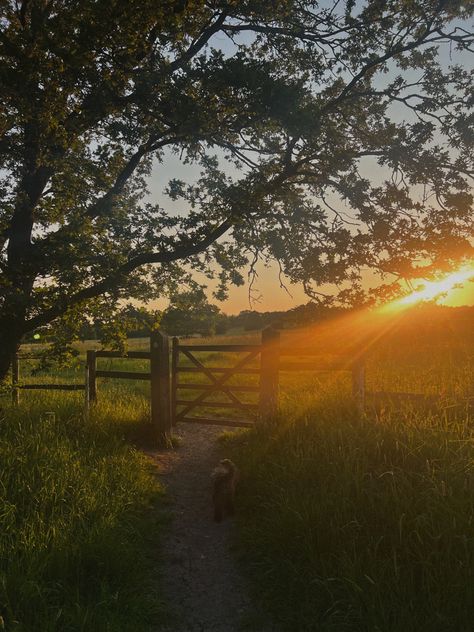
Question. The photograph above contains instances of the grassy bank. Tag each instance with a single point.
(349, 524)
(78, 541)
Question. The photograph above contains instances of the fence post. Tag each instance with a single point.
(86, 392)
(15, 380)
(358, 383)
(269, 367)
(174, 376)
(160, 387)
(91, 380)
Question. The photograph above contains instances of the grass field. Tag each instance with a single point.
(346, 522)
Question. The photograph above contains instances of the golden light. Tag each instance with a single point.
(434, 289)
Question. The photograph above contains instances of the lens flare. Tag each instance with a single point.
(434, 289)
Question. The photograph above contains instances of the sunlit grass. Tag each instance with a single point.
(361, 523)
(78, 528)
(349, 524)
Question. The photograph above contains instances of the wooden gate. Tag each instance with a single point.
(218, 381)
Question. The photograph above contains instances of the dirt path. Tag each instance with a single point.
(200, 578)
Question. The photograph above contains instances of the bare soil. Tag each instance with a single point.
(200, 578)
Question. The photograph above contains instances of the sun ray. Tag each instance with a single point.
(435, 289)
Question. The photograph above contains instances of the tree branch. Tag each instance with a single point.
(181, 252)
(199, 43)
(389, 54)
(105, 202)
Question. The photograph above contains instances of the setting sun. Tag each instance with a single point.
(433, 289)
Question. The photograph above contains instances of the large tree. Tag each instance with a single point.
(293, 97)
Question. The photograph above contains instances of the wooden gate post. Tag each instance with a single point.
(15, 380)
(91, 379)
(174, 377)
(269, 367)
(160, 387)
(358, 383)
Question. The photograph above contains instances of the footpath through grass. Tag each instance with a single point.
(79, 527)
(349, 524)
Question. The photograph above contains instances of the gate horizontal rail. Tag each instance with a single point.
(204, 387)
(193, 369)
(218, 421)
(236, 348)
(206, 404)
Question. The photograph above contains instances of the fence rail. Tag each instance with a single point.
(51, 387)
(18, 386)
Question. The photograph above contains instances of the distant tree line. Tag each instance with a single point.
(191, 314)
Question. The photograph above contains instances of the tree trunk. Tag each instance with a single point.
(10, 340)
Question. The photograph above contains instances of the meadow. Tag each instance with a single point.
(345, 521)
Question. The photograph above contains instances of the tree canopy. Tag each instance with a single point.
(191, 313)
(285, 105)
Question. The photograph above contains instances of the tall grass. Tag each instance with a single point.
(78, 527)
(349, 524)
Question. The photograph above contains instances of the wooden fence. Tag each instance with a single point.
(158, 375)
(168, 406)
(18, 385)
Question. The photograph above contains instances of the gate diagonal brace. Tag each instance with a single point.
(217, 382)
(211, 376)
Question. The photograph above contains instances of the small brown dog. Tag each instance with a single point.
(225, 476)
